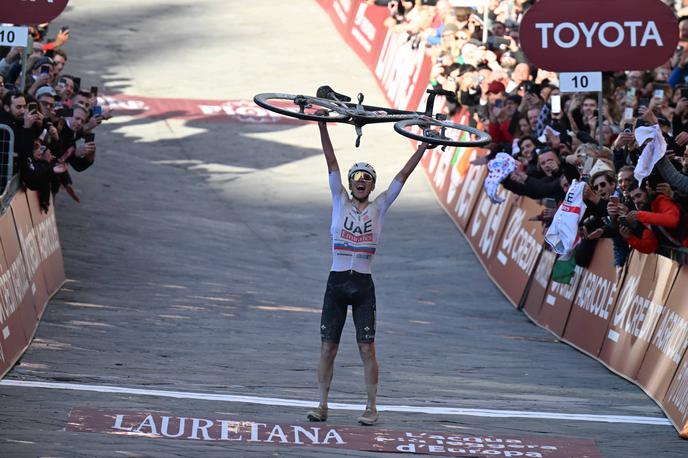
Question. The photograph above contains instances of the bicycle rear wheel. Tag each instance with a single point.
(446, 133)
(302, 107)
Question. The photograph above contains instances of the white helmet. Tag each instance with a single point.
(362, 167)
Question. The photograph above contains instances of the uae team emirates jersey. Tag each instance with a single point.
(355, 234)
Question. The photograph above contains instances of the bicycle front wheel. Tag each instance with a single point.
(446, 133)
(302, 107)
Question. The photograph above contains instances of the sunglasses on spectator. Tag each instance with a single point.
(599, 186)
(361, 176)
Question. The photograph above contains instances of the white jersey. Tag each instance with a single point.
(355, 234)
(562, 234)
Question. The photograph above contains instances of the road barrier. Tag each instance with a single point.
(31, 270)
(636, 324)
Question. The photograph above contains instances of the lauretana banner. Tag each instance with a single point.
(635, 322)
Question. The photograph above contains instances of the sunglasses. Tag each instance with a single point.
(602, 185)
(361, 176)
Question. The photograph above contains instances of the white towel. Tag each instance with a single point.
(500, 167)
(562, 234)
(652, 152)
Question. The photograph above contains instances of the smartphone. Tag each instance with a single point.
(684, 93)
(498, 103)
(614, 200)
(628, 127)
(644, 102)
(658, 93)
(64, 29)
(45, 69)
(97, 110)
(89, 137)
(94, 91)
(77, 83)
(628, 113)
(630, 92)
(556, 104)
(32, 106)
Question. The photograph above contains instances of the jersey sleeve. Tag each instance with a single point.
(388, 197)
(336, 187)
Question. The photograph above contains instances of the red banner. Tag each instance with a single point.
(585, 35)
(23, 12)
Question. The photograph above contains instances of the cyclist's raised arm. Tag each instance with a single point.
(411, 164)
(332, 165)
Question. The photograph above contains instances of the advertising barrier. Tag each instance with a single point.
(647, 284)
(27, 279)
(636, 324)
(589, 317)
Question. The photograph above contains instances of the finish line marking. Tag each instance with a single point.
(340, 406)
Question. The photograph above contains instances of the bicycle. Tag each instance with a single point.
(329, 106)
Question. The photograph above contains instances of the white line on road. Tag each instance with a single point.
(340, 406)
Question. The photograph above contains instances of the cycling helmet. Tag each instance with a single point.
(362, 167)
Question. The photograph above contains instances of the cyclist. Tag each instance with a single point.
(355, 230)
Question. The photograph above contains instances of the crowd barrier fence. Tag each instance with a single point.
(636, 324)
(31, 269)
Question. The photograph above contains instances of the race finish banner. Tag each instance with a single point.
(323, 437)
(601, 35)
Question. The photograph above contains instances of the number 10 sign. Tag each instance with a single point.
(580, 82)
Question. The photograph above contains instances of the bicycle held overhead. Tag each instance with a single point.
(329, 106)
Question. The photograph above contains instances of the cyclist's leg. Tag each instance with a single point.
(364, 318)
(331, 324)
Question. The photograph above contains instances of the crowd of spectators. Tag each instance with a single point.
(52, 115)
(555, 138)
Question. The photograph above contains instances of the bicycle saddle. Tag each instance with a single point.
(326, 92)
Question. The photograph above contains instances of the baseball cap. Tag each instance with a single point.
(45, 90)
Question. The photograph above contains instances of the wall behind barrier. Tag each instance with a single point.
(31, 272)
(636, 324)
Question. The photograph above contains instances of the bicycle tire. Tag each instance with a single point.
(423, 123)
(280, 103)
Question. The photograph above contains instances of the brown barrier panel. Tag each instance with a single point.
(518, 250)
(532, 304)
(669, 341)
(557, 303)
(640, 302)
(675, 403)
(456, 183)
(594, 302)
(29, 251)
(48, 240)
(487, 223)
(17, 316)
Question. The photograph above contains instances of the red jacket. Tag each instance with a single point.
(500, 132)
(665, 213)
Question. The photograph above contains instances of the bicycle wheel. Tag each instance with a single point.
(436, 132)
(302, 107)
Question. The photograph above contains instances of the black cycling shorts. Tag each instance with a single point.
(344, 289)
